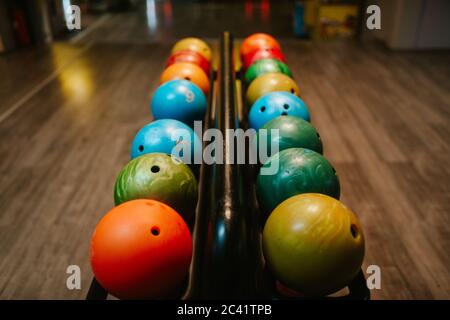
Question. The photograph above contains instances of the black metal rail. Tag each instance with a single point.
(225, 248)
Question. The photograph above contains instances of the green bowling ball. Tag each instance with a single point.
(263, 66)
(294, 132)
(299, 171)
(160, 177)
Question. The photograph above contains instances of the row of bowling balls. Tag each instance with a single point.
(265, 67)
(184, 83)
(271, 89)
(142, 248)
(312, 243)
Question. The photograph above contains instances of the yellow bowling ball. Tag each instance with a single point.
(270, 82)
(193, 44)
(313, 244)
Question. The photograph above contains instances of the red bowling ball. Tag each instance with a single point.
(256, 42)
(190, 57)
(265, 53)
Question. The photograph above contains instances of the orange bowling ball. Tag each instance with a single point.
(258, 41)
(141, 249)
(187, 71)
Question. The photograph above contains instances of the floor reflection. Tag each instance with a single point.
(168, 20)
(152, 20)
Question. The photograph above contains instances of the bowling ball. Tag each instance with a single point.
(181, 100)
(265, 53)
(275, 104)
(186, 71)
(162, 136)
(190, 57)
(141, 249)
(193, 44)
(313, 244)
(256, 42)
(270, 82)
(299, 171)
(293, 133)
(160, 177)
(264, 66)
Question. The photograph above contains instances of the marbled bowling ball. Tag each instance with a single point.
(313, 244)
(159, 177)
(299, 171)
(293, 132)
(270, 82)
(264, 66)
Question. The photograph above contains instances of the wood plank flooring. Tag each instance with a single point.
(384, 119)
(60, 154)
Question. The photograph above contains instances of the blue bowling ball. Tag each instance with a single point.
(275, 104)
(160, 136)
(180, 100)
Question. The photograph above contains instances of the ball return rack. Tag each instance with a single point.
(227, 259)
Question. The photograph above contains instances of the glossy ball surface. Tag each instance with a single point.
(167, 136)
(314, 244)
(266, 66)
(275, 104)
(186, 71)
(299, 171)
(257, 41)
(141, 249)
(181, 100)
(190, 57)
(265, 53)
(270, 82)
(193, 44)
(293, 132)
(159, 177)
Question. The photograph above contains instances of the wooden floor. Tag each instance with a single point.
(68, 113)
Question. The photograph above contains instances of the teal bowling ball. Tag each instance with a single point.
(299, 171)
(293, 132)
